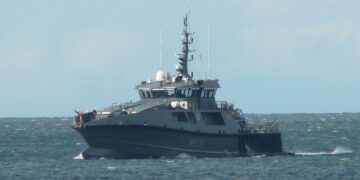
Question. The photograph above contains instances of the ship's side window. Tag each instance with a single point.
(180, 93)
(155, 94)
(150, 94)
(194, 93)
(171, 93)
(192, 118)
(141, 94)
(186, 92)
(203, 92)
(145, 94)
(213, 118)
(177, 93)
(210, 93)
(180, 116)
(189, 93)
(159, 94)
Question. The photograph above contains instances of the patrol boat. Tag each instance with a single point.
(176, 115)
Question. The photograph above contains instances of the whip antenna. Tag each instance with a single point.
(208, 50)
(160, 48)
(160, 38)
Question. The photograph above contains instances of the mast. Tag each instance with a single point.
(183, 56)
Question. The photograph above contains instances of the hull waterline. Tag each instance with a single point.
(134, 142)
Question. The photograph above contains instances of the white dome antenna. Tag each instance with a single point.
(161, 76)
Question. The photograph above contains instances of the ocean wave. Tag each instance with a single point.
(337, 150)
(184, 156)
(111, 168)
(260, 156)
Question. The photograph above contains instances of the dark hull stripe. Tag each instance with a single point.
(172, 148)
(138, 141)
(198, 133)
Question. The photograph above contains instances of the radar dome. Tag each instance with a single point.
(161, 76)
(178, 67)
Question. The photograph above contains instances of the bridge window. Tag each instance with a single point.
(145, 94)
(171, 93)
(211, 93)
(203, 92)
(159, 94)
(156, 94)
(213, 118)
(180, 93)
(183, 93)
(208, 93)
(141, 93)
(188, 92)
(149, 94)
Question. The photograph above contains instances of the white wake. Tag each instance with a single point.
(337, 150)
(183, 156)
(80, 156)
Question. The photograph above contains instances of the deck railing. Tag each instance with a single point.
(224, 105)
(259, 128)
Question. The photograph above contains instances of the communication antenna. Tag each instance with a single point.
(160, 48)
(185, 54)
(208, 50)
(160, 55)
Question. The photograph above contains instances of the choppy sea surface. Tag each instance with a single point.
(327, 146)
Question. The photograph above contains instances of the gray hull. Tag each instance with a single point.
(136, 141)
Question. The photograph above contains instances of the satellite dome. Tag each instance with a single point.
(179, 67)
(161, 76)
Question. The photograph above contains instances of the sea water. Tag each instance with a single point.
(326, 146)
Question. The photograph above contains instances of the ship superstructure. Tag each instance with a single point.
(175, 115)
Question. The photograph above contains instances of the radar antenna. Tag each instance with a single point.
(184, 56)
(160, 41)
(208, 51)
(161, 49)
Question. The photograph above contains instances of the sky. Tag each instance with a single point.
(271, 56)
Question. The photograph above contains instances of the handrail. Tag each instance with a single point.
(259, 128)
(224, 105)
